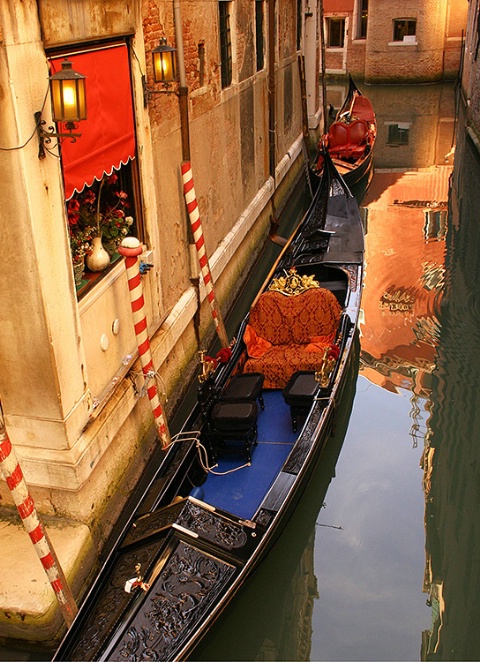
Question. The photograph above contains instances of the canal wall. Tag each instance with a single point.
(71, 384)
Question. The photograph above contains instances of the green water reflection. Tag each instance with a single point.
(389, 567)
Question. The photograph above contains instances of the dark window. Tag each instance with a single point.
(397, 134)
(404, 27)
(259, 38)
(299, 24)
(201, 64)
(225, 43)
(362, 19)
(335, 32)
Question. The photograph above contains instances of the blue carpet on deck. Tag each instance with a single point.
(241, 492)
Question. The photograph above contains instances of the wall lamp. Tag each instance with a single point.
(67, 89)
(164, 70)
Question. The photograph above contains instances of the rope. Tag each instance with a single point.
(151, 374)
(203, 453)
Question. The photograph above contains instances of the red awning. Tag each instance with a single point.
(108, 135)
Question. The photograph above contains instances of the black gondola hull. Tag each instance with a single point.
(194, 556)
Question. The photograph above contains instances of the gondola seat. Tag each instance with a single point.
(245, 387)
(337, 139)
(357, 137)
(299, 393)
(348, 141)
(233, 423)
(287, 334)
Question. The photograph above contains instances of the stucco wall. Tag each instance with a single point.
(70, 381)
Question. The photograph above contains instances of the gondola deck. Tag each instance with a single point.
(242, 494)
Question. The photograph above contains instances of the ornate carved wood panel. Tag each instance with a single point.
(183, 593)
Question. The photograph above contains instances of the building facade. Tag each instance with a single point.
(71, 381)
(393, 42)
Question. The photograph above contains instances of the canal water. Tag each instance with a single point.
(382, 560)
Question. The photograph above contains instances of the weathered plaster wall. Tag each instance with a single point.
(73, 410)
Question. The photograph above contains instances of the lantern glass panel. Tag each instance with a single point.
(68, 97)
(164, 66)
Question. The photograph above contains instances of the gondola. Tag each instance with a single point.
(231, 478)
(351, 138)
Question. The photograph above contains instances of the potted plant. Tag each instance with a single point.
(80, 247)
(103, 212)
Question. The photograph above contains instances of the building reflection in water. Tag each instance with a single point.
(452, 450)
(406, 209)
(421, 334)
(420, 337)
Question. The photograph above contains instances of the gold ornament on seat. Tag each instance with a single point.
(292, 283)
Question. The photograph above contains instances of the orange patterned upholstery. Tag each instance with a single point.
(291, 325)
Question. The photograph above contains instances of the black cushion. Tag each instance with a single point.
(234, 417)
(300, 389)
(244, 387)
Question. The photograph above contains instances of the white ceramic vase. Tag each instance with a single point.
(99, 259)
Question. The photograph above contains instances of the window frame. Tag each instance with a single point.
(396, 26)
(362, 19)
(128, 173)
(398, 134)
(259, 35)
(299, 24)
(332, 20)
(225, 42)
(128, 176)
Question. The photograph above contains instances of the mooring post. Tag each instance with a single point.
(13, 475)
(196, 224)
(131, 249)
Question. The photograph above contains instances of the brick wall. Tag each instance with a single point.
(434, 56)
(389, 62)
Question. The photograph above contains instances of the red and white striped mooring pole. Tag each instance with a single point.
(131, 248)
(196, 225)
(12, 472)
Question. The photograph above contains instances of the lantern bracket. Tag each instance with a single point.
(148, 92)
(45, 136)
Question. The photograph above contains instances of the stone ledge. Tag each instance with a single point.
(28, 608)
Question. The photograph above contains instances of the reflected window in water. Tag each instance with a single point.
(435, 224)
